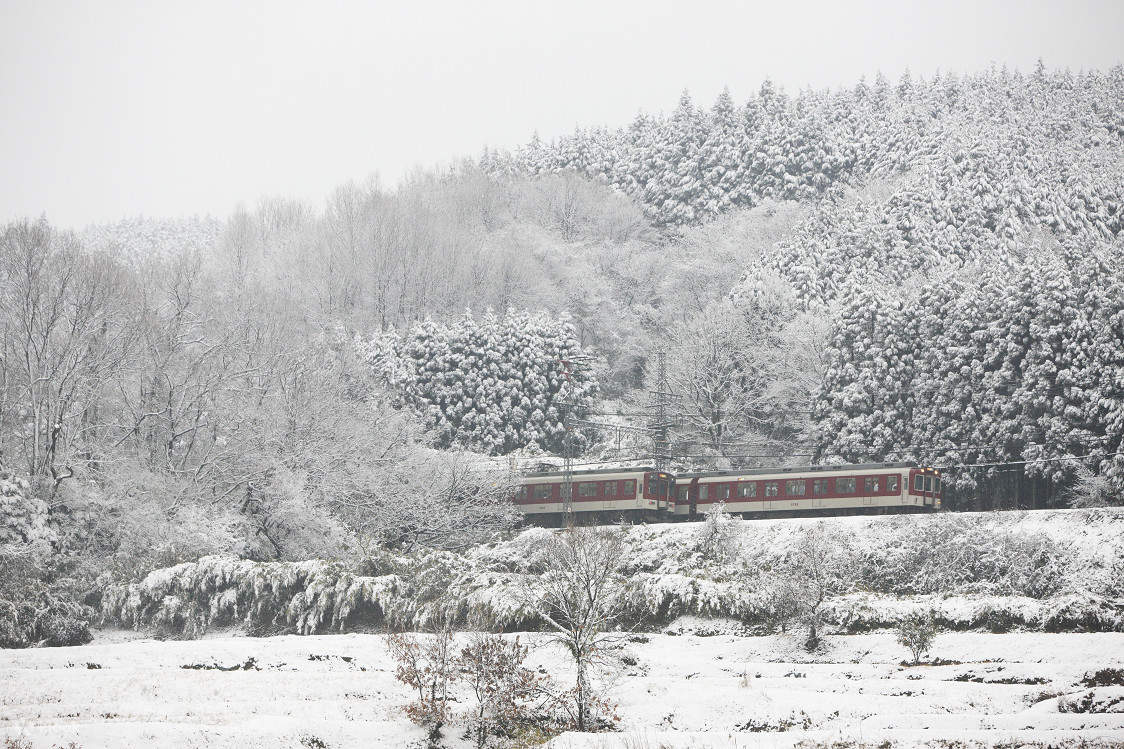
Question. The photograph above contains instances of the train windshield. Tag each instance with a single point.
(659, 487)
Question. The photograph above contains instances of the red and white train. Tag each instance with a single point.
(648, 494)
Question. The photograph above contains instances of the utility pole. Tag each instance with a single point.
(569, 368)
(660, 426)
(567, 472)
(661, 399)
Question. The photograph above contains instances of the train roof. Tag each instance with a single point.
(597, 471)
(796, 469)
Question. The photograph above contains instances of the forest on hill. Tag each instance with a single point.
(923, 271)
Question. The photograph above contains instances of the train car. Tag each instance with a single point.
(843, 489)
(637, 493)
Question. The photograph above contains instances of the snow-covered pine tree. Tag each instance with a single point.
(496, 384)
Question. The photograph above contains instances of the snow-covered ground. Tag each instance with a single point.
(684, 690)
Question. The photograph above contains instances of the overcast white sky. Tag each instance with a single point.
(114, 109)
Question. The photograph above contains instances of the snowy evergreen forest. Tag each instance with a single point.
(927, 270)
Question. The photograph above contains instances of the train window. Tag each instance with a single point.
(870, 485)
(794, 488)
(936, 484)
(747, 489)
(542, 491)
(771, 488)
(630, 486)
(681, 493)
(723, 491)
(928, 483)
(587, 489)
(819, 486)
(522, 492)
(610, 488)
(845, 486)
(704, 491)
(918, 482)
(892, 484)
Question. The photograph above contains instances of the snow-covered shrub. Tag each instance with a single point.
(916, 631)
(24, 518)
(715, 538)
(507, 695)
(34, 608)
(1092, 490)
(427, 664)
(662, 579)
(33, 611)
(966, 553)
(303, 597)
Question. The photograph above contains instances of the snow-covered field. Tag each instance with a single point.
(684, 690)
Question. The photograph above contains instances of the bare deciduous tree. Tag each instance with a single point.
(580, 598)
(434, 499)
(816, 569)
(62, 337)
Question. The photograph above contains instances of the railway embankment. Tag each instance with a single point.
(1036, 571)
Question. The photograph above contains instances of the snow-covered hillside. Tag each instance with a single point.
(681, 691)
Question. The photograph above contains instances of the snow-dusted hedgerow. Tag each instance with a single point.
(304, 597)
(1053, 571)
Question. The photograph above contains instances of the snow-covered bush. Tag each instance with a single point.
(1093, 490)
(967, 553)
(766, 586)
(34, 608)
(24, 518)
(507, 695)
(427, 664)
(715, 537)
(916, 631)
(303, 597)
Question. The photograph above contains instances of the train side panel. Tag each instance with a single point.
(851, 488)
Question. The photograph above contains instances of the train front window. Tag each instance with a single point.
(918, 482)
(936, 484)
(928, 483)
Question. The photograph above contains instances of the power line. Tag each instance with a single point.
(1059, 459)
